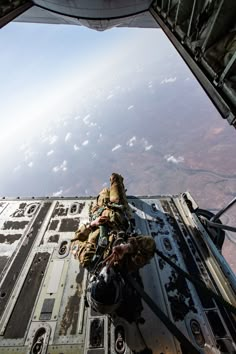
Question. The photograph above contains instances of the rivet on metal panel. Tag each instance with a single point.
(96, 337)
(197, 333)
(119, 340)
(154, 208)
(64, 249)
(74, 208)
(40, 341)
(167, 244)
(31, 209)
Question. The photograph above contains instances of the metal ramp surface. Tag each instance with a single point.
(42, 287)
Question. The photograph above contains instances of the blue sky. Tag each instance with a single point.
(39, 63)
(41, 66)
(72, 99)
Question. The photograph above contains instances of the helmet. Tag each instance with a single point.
(105, 291)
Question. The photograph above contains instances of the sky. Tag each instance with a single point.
(68, 88)
(58, 80)
(50, 70)
(77, 105)
(42, 66)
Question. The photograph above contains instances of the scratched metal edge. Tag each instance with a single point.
(52, 349)
(66, 349)
(217, 307)
(27, 297)
(14, 271)
(207, 304)
(81, 197)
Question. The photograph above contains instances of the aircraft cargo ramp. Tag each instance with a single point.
(42, 296)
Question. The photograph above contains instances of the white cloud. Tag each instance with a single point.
(168, 80)
(171, 158)
(58, 193)
(76, 147)
(118, 146)
(61, 167)
(77, 117)
(110, 96)
(131, 141)
(64, 165)
(56, 168)
(150, 84)
(30, 164)
(92, 124)
(17, 168)
(100, 138)
(139, 68)
(130, 107)
(86, 119)
(149, 147)
(146, 144)
(85, 143)
(50, 152)
(23, 147)
(68, 137)
(52, 139)
(28, 154)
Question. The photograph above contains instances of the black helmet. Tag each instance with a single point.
(105, 291)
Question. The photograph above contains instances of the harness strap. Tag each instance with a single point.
(198, 283)
(167, 322)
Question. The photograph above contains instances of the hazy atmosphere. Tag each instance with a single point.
(77, 105)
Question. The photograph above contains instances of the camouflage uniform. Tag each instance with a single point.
(113, 204)
(143, 249)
